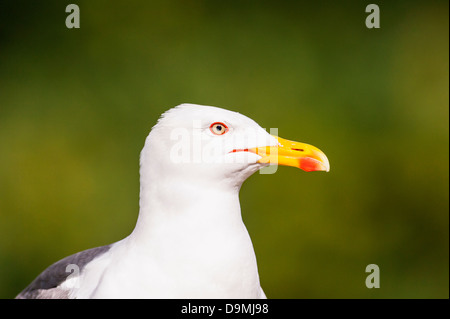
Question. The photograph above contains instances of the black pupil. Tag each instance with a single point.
(219, 127)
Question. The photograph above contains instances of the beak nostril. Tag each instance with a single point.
(298, 149)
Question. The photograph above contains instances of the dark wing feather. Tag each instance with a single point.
(45, 286)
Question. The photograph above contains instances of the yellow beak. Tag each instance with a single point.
(290, 153)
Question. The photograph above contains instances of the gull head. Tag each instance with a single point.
(205, 143)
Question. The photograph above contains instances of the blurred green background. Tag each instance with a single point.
(77, 104)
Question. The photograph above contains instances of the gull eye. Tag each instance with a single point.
(218, 128)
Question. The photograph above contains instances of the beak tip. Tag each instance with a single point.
(310, 164)
(324, 161)
(327, 165)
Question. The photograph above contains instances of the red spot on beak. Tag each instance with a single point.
(309, 164)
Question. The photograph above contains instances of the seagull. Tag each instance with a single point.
(189, 240)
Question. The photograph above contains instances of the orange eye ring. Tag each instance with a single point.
(218, 128)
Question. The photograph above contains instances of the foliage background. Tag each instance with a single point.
(76, 106)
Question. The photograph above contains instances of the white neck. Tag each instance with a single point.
(196, 209)
(195, 238)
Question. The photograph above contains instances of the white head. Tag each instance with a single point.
(214, 147)
(202, 143)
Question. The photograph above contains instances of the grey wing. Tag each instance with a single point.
(46, 285)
